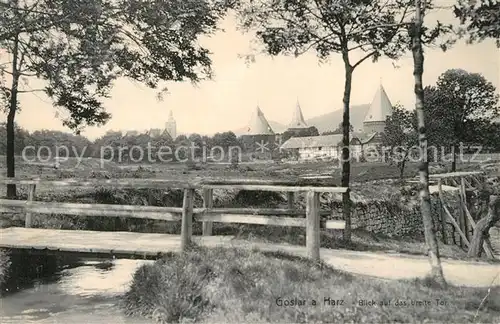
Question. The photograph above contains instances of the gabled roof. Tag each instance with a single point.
(363, 137)
(333, 140)
(380, 108)
(298, 119)
(259, 125)
(312, 141)
(154, 132)
(132, 133)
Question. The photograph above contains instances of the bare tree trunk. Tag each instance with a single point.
(483, 226)
(401, 170)
(402, 166)
(11, 172)
(426, 208)
(454, 161)
(346, 160)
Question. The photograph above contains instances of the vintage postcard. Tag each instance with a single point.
(250, 161)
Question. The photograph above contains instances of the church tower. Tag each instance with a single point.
(259, 125)
(259, 132)
(380, 109)
(171, 125)
(298, 123)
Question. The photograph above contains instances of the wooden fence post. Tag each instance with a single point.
(313, 226)
(208, 201)
(150, 198)
(31, 197)
(187, 219)
(291, 200)
(461, 215)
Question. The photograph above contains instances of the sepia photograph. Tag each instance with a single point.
(249, 161)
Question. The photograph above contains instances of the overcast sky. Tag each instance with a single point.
(228, 101)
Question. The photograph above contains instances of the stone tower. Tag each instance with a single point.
(259, 132)
(380, 109)
(259, 125)
(171, 125)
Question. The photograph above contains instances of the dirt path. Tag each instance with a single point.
(395, 266)
(377, 264)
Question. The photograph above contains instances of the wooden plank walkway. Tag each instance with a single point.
(117, 244)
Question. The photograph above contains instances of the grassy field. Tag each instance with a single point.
(360, 172)
(362, 189)
(242, 286)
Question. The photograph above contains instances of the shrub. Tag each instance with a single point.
(258, 198)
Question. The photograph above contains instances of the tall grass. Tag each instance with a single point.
(4, 265)
(242, 286)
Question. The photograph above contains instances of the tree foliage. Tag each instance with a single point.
(339, 130)
(310, 131)
(23, 138)
(480, 19)
(80, 48)
(295, 26)
(459, 109)
(401, 136)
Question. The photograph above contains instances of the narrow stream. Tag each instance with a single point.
(87, 293)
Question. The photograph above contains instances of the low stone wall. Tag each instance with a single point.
(393, 219)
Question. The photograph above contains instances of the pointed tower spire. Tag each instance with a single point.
(380, 108)
(259, 125)
(171, 125)
(298, 119)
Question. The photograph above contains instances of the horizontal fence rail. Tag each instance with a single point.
(456, 174)
(105, 210)
(310, 218)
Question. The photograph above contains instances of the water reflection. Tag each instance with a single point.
(99, 279)
(88, 293)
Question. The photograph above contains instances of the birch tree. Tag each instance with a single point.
(416, 33)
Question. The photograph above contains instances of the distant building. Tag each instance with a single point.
(155, 132)
(380, 109)
(331, 145)
(132, 133)
(171, 125)
(324, 146)
(259, 132)
(298, 123)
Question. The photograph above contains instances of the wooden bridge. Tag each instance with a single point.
(151, 245)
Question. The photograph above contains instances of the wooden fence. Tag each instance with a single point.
(187, 213)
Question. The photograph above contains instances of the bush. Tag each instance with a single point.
(258, 198)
